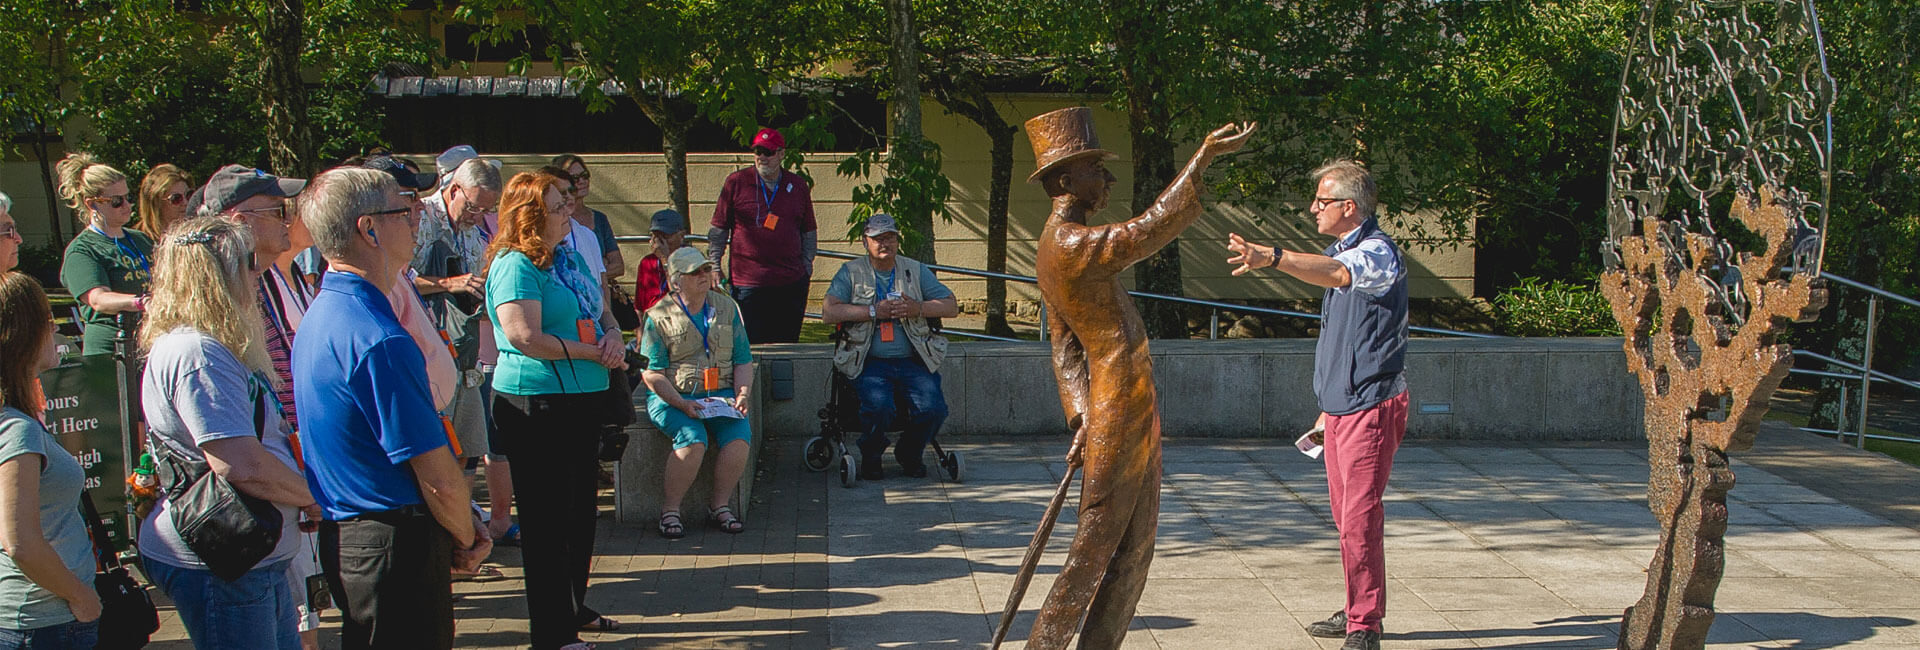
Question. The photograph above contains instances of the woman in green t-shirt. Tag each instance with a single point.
(46, 574)
(107, 265)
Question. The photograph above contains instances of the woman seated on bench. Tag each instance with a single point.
(696, 349)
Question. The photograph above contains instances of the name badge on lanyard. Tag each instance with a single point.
(586, 331)
(767, 195)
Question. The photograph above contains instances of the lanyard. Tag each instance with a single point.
(767, 194)
(131, 252)
(883, 293)
(706, 312)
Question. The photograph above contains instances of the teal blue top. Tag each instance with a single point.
(514, 277)
(23, 604)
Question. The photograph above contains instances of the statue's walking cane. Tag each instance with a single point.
(1032, 560)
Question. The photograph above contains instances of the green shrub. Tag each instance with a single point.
(1557, 308)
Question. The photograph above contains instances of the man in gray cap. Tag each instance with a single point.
(669, 234)
(882, 303)
(259, 200)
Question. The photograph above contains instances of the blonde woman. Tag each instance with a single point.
(207, 382)
(163, 199)
(46, 574)
(107, 265)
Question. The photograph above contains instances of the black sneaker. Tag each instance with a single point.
(1362, 640)
(917, 471)
(1335, 627)
(870, 470)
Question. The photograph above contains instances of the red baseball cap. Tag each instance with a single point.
(770, 139)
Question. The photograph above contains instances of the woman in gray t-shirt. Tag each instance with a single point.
(208, 396)
(46, 562)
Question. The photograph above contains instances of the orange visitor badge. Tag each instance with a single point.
(772, 220)
(886, 331)
(710, 378)
(586, 331)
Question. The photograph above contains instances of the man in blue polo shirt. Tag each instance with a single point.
(377, 458)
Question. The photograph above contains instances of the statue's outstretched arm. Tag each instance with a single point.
(1120, 245)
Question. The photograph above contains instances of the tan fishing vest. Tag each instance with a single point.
(686, 358)
(851, 355)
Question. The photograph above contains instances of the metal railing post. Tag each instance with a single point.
(1840, 419)
(1213, 324)
(1866, 365)
(1043, 321)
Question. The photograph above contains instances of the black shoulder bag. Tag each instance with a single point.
(230, 530)
(127, 615)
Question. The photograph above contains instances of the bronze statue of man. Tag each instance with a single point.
(1106, 376)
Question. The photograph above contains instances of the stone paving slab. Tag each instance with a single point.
(1518, 546)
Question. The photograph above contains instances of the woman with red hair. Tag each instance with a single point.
(547, 389)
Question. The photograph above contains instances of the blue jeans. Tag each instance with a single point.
(926, 408)
(71, 635)
(256, 612)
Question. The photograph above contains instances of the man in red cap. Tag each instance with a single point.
(765, 217)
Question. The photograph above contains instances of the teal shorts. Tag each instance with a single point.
(684, 430)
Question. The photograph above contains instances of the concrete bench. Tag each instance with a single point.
(640, 476)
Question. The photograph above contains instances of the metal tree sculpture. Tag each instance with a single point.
(1717, 115)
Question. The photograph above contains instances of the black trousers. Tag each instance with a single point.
(772, 314)
(553, 442)
(390, 574)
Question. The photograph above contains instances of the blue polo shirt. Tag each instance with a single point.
(365, 408)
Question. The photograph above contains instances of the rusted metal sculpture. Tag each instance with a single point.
(1106, 376)
(1725, 114)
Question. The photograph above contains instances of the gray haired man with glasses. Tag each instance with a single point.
(1357, 375)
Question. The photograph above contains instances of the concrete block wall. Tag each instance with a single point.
(1509, 389)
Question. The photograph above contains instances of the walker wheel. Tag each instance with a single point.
(849, 471)
(954, 466)
(818, 455)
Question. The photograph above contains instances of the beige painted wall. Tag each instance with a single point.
(629, 187)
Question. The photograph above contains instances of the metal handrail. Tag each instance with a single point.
(1829, 275)
(1214, 318)
(1865, 373)
(1878, 376)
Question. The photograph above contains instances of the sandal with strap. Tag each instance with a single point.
(670, 526)
(723, 519)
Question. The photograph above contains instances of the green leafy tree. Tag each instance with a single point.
(33, 52)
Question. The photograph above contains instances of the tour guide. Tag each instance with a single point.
(1358, 375)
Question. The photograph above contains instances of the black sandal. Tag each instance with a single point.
(723, 519)
(670, 526)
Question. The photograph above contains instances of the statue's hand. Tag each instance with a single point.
(1230, 138)
(1079, 443)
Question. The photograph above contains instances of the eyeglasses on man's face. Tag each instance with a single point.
(10, 230)
(1321, 202)
(278, 213)
(764, 152)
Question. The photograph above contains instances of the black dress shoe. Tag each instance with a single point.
(1362, 640)
(870, 470)
(917, 471)
(1335, 627)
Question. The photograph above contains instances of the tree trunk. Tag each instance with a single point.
(283, 95)
(905, 149)
(673, 142)
(42, 152)
(1002, 189)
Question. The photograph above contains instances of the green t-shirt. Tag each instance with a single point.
(23, 604)
(514, 277)
(96, 261)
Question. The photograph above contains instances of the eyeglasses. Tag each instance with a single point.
(763, 151)
(1321, 202)
(116, 201)
(392, 212)
(584, 175)
(472, 208)
(278, 212)
(10, 230)
(176, 198)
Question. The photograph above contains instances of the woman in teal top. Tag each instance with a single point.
(46, 561)
(549, 399)
(107, 265)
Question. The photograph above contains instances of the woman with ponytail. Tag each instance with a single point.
(107, 265)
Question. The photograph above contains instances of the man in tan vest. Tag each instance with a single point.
(882, 303)
(1105, 372)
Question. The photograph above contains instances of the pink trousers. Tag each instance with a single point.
(1359, 455)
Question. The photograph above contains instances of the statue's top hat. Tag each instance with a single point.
(1063, 136)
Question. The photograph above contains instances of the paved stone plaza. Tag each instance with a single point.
(1488, 546)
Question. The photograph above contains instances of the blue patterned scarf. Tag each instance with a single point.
(577, 278)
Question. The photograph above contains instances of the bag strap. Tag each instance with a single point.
(102, 548)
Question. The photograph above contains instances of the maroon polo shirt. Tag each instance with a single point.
(764, 223)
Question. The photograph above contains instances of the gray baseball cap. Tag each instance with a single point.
(881, 223)
(234, 183)
(668, 221)
(450, 159)
(688, 260)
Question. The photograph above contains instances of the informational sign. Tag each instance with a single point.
(83, 412)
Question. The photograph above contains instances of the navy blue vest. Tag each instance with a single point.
(1362, 353)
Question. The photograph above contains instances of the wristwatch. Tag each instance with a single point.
(873, 313)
